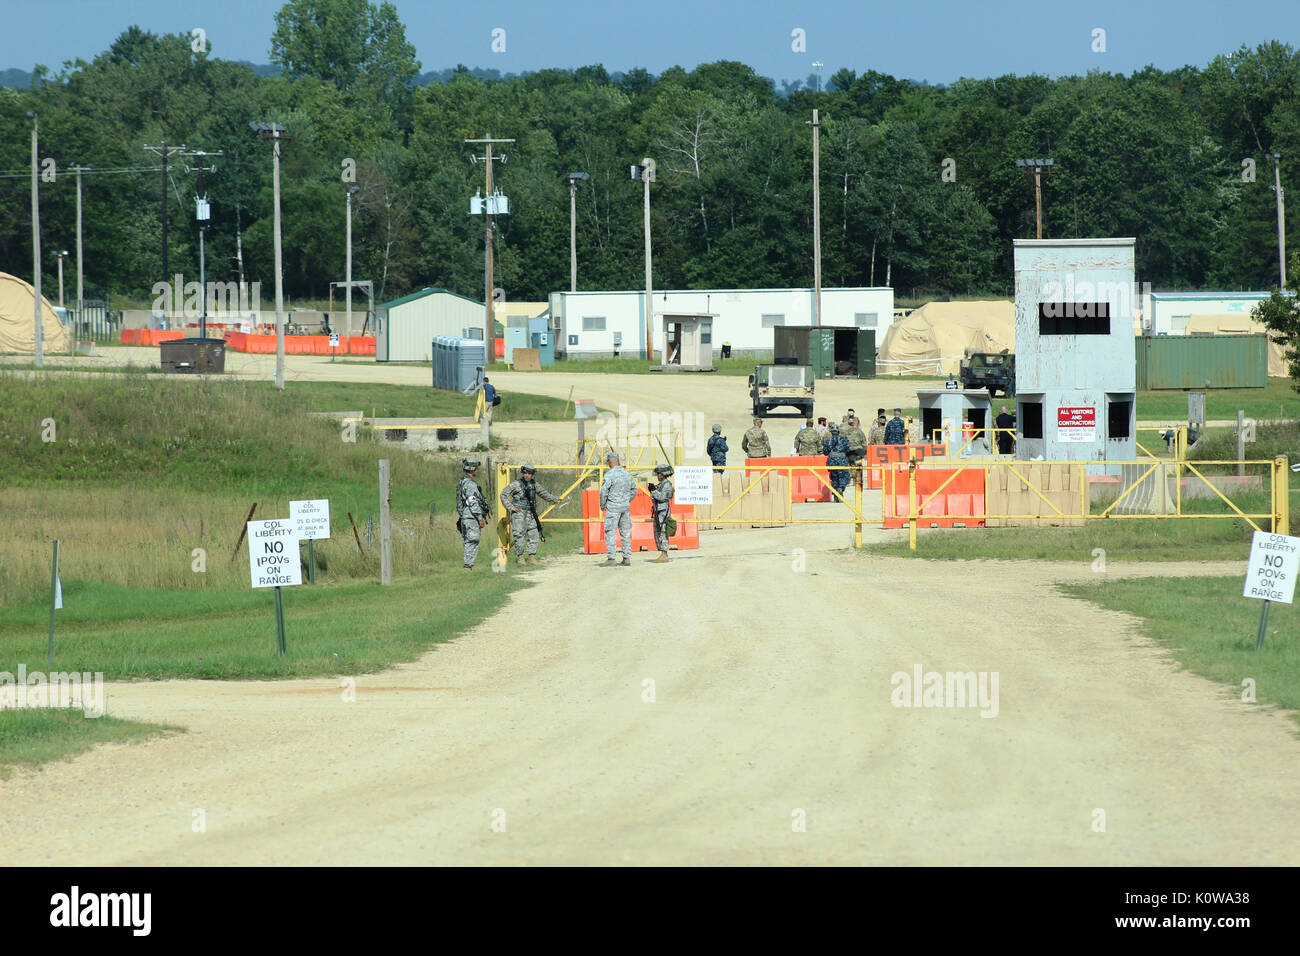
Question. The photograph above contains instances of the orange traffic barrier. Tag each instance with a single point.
(805, 484)
(300, 344)
(960, 503)
(878, 456)
(687, 537)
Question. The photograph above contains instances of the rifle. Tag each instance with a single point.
(531, 496)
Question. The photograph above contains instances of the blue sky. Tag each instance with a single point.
(934, 40)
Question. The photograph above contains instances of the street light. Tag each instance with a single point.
(353, 189)
(61, 256)
(1038, 168)
(36, 245)
(817, 65)
(574, 179)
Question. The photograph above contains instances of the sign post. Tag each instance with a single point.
(274, 561)
(56, 599)
(312, 520)
(334, 342)
(1270, 576)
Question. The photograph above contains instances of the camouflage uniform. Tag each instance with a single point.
(523, 523)
(876, 436)
(896, 432)
(756, 444)
(808, 442)
(717, 450)
(662, 496)
(836, 451)
(857, 440)
(616, 494)
(471, 508)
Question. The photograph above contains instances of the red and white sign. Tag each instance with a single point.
(1076, 423)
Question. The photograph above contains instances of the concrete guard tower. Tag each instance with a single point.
(1075, 368)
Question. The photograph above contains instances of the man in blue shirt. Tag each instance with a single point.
(489, 398)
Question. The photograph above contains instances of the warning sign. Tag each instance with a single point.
(1274, 561)
(273, 553)
(334, 340)
(693, 485)
(311, 518)
(1076, 423)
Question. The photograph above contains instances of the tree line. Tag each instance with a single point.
(919, 187)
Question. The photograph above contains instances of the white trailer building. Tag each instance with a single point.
(1168, 313)
(405, 328)
(612, 324)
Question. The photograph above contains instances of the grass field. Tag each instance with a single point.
(1211, 629)
(30, 737)
(1277, 401)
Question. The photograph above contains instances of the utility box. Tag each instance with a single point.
(1075, 365)
(830, 352)
(542, 338)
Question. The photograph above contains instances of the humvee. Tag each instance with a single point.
(991, 370)
(784, 383)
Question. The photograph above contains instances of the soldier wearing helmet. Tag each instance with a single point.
(471, 510)
(717, 449)
(756, 444)
(661, 496)
(520, 501)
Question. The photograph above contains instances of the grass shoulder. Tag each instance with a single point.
(30, 737)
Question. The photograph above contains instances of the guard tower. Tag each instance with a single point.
(1074, 349)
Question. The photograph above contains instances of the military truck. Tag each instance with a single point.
(783, 383)
(991, 370)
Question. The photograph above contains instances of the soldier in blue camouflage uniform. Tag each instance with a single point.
(662, 496)
(717, 449)
(616, 494)
(520, 501)
(836, 450)
(471, 510)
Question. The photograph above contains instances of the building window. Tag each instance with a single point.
(706, 334)
(1074, 318)
(1119, 414)
(771, 321)
(1030, 419)
(593, 323)
(865, 320)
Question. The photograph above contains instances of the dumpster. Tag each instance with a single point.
(193, 355)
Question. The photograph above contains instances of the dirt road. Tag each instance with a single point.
(772, 659)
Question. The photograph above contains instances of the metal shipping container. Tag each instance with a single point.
(827, 348)
(1202, 361)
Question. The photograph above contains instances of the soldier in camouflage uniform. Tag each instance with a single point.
(717, 449)
(471, 510)
(661, 495)
(836, 451)
(756, 444)
(808, 441)
(857, 440)
(520, 501)
(877, 434)
(616, 494)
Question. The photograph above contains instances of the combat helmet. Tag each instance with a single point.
(469, 464)
(717, 429)
(531, 469)
(663, 469)
(835, 429)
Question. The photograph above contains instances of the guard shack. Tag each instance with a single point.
(688, 342)
(957, 418)
(1074, 349)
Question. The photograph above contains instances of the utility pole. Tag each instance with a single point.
(489, 209)
(1038, 168)
(36, 243)
(645, 172)
(1281, 218)
(275, 133)
(63, 254)
(351, 190)
(574, 179)
(81, 302)
(203, 213)
(817, 220)
(166, 152)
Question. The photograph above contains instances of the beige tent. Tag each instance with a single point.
(933, 339)
(1239, 324)
(17, 322)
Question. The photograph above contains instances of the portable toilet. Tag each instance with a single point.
(541, 337)
(456, 362)
(1075, 370)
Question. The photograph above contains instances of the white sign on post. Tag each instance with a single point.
(273, 553)
(311, 518)
(1274, 562)
(334, 340)
(693, 485)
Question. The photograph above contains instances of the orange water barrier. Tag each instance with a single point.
(643, 536)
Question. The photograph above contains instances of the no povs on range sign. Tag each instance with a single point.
(1274, 561)
(273, 553)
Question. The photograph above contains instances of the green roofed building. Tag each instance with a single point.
(405, 328)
